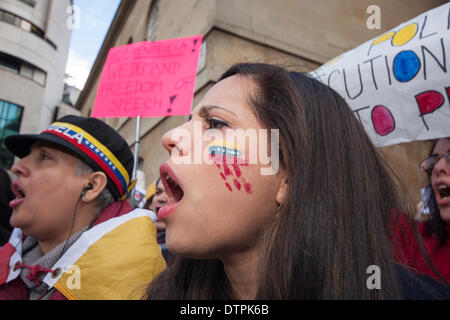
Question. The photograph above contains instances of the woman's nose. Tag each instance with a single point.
(441, 167)
(177, 141)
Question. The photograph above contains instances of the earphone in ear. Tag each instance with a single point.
(85, 189)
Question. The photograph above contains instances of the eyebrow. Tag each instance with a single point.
(41, 144)
(437, 154)
(205, 110)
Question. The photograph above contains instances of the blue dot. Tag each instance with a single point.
(406, 65)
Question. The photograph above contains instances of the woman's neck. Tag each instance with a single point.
(242, 273)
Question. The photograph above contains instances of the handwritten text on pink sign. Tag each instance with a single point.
(149, 79)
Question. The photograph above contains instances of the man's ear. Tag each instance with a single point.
(282, 190)
(98, 181)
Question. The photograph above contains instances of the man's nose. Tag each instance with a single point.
(20, 168)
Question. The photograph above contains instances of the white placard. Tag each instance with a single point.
(398, 84)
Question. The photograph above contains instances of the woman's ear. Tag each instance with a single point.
(282, 190)
(98, 181)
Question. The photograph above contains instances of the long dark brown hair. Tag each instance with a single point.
(333, 223)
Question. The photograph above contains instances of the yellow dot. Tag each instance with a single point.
(384, 37)
(404, 35)
(333, 60)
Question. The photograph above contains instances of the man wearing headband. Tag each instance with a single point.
(75, 236)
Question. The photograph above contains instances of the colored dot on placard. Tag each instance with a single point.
(405, 34)
(333, 60)
(382, 120)
(406, 65)
(169, 110)
(384, 37)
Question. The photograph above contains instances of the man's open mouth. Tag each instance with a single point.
(18, 190)
(19, 193)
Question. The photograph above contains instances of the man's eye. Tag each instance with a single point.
(215, 123)
(43, 156)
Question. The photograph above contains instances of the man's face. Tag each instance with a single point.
(47, 190)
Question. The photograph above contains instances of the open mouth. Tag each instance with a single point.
(19, 193)
(444, 191)
(17, 190)
(173, 189)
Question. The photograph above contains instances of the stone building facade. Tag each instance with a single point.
(34, 45)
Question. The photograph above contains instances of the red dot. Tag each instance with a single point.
(382, 120)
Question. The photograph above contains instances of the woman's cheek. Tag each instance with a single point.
(230, 167)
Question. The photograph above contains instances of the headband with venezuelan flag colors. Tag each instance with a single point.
(94, 149)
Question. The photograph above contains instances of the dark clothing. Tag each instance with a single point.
(419, 287)
(161, 238)
(6, 195)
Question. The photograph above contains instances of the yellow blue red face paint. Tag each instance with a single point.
(223, 154)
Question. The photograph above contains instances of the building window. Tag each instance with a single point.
(39, 76)
(24, 25)
(23, 68)
(153, 21)
(29, 2)
(10, 118)
(9, 62)
(140, 163)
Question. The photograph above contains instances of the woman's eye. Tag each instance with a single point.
(216, 124)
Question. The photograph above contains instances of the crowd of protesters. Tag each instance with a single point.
(308, 231)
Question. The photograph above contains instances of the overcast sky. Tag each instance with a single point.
(95, 17)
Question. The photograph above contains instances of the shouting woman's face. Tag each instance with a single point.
(440, 178)
(219, 200)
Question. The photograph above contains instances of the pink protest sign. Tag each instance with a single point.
(148, 79)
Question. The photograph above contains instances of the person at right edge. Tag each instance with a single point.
(431, 257)
(75, 236)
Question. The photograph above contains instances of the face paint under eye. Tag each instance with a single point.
(223, 153)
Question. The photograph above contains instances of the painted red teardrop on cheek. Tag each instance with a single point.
(226, 170)
(382, 120)
(237, 184)
(237, 170)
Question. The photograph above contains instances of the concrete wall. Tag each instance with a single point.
(317, 30)
(301, 34)
(50, 16)
(36, 15)
(25, 93)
